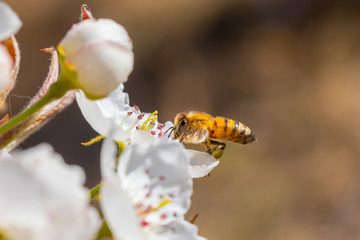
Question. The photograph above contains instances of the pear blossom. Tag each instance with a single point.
(9, 65)
(132, 126)
(6, 64)
(149, 193)
(101, 53)
(43, 198)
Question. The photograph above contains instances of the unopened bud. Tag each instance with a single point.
(101, 53)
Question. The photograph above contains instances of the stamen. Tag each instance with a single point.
(126, 117)
(149, 209)
(147, 125)
(92, 141)
(162, 204)
(4, 119)
(137, 108)
(145, 223)
(156, 180)
(139, 205)
(141, 116)
(193, 219)
(128, 131)
(85, 13)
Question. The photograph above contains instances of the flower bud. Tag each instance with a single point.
(9, 22)
(101, 53)
(9, 25)
(6, 65)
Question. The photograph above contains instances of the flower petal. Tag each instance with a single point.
(90, 31)
(119, 211)
(9, 21)
(181, 230)
(201, 163)
(102, 66)
(6, 64)
(163, 160)
(117, 207)
(43, 198)
(106, 113)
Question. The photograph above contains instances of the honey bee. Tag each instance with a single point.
(202, 128)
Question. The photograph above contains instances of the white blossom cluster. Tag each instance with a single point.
(147, 177)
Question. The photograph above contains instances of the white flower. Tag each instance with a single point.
(9, 25)
(9, 21)
(114, 110)
(42, 198)
(132, 126)
(101, 52)
(150, 192)
(6, 65)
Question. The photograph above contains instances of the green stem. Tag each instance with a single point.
(56, 91)
(104, 231)
(95, 191)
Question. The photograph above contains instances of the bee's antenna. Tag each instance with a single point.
(171, 131)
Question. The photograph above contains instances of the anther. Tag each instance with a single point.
(145, 223)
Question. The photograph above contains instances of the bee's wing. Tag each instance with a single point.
(194, 133)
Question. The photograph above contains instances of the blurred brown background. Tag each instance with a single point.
(290, 70)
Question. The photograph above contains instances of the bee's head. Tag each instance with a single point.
(179, 124)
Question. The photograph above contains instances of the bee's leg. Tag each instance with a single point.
(215, 148)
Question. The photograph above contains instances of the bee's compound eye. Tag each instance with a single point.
(183, 122)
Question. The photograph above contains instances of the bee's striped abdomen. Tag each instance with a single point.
(228, 129)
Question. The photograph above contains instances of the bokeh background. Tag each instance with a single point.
(289, 69)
